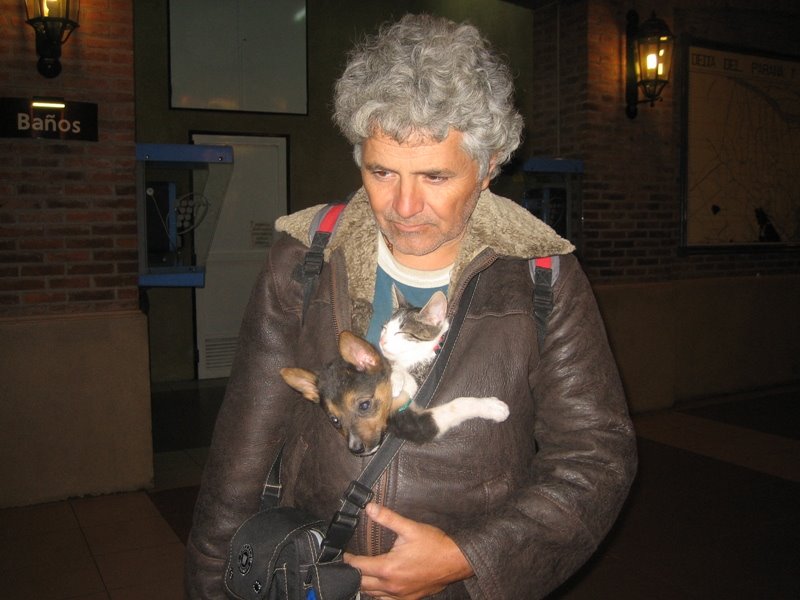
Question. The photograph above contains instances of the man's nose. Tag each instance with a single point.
(408, 201)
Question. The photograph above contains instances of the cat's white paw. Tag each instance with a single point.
(495, 409)
(489, 408)
(461, 409)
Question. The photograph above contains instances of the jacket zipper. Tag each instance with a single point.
(373, 529)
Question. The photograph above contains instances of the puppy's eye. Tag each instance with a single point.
(336, 422)
(364, 405)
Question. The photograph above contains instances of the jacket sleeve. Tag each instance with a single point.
(581, 473)
(248, 432)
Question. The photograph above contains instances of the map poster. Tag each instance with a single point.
(742, 163)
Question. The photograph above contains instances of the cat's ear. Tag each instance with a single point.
(359, 352)
(435, 310)
(303, 381)
(398, 300)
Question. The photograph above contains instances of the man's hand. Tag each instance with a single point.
(422, 561)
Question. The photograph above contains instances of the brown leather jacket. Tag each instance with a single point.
(527, 500)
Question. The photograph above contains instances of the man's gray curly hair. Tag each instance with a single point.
(427, 75)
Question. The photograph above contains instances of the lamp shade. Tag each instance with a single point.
(53, 21)
(54, 10)
(654, 50)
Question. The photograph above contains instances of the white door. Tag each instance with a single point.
(236, 242)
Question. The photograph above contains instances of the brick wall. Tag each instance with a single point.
(632, 181)
(68, 208)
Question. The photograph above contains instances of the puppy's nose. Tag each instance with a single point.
(356, 446)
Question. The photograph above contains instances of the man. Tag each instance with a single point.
(489, 510)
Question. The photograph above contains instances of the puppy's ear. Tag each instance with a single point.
(359, 352)
(303, 381)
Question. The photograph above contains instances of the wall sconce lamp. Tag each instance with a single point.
(53, 21)
(649, 48)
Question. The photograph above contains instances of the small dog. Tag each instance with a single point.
(355, 391)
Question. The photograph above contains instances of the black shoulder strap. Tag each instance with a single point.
(322, 227)
(344, 522)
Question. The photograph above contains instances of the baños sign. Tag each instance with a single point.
(52, 119)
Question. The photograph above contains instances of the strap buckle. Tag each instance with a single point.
(345, 521)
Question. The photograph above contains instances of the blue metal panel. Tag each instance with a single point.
(184, 153)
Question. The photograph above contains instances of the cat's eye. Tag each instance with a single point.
(365, 405)
(336, 422)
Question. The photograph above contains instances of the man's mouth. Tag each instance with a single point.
(409, 227)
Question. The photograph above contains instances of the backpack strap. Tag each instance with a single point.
(322, 227)
(271, 494)
(544, 272)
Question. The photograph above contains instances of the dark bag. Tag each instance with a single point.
(274, 555)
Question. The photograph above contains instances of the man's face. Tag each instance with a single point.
(423, 193)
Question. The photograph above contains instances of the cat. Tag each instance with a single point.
(410, 340)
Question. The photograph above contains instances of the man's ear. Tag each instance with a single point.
(303, 381)
(359, 352)
(488, 178)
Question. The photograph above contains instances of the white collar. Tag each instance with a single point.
(413, 277)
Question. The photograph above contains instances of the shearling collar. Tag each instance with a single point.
(497, 223)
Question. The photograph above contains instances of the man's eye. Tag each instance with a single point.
(436, 178)
(365, 405)
(336, 422)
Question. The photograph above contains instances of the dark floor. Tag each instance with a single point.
(775, 412)
(698, 524)
(695, 527)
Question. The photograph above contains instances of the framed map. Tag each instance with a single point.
(741, 163)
